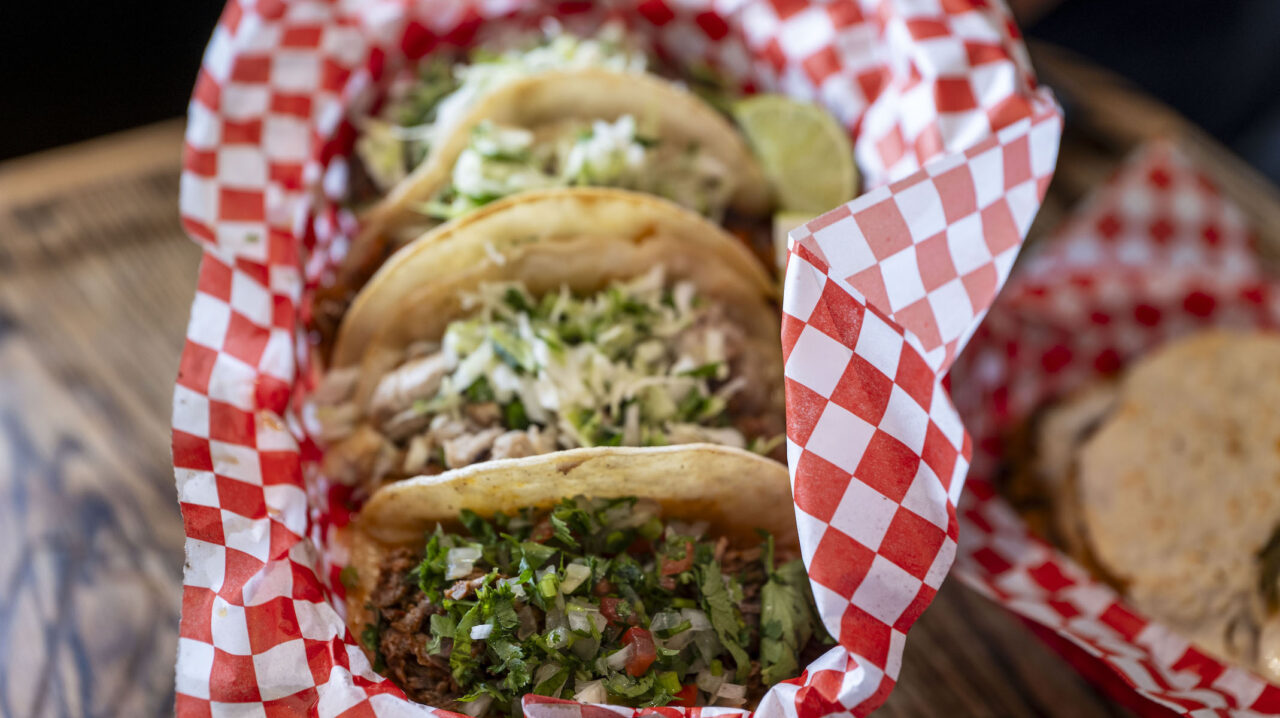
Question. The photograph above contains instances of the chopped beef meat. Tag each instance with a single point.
(402, 642)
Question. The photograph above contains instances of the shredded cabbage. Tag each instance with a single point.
(627, 366)
(402, 134)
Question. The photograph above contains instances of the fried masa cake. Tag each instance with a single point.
(1167, 484)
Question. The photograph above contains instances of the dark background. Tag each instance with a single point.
(73, 69)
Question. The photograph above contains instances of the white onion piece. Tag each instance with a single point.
(709, 683)
(461, 561)
(574, 575)
(544, 672)
(698, 620)
(732, 691)
(618, 659)
(517, 588)
(578, 620)
(583, 617)
(481, 632)
(558, 637)
(665, 621)
(592, 692)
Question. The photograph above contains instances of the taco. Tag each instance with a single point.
(554, 320)
(1162, 482)
(673, 576)
(571, 112)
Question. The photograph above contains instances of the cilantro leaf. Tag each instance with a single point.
(562, 532)
(724, 618)
(787, 621)
(461, 662)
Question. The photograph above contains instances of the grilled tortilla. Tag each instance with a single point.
(1167, 484)
(554, 320)
(591, 126)
(652, 585)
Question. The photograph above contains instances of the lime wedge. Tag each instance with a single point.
(804, 152)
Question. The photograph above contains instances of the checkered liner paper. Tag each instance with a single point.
(1154, 254)
(953, 137)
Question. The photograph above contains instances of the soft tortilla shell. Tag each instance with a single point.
(1180, 487)
(589, 94)
(580, 238)
(735, 491)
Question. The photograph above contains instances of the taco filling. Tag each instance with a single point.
(641, 363)
(595, 600)
(501, 161)
(397, 140)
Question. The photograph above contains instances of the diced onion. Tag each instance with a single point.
(583, 617)
(592, 692)
(707, 643)
(517, 587)
(732, 691)
(698, 620)
(574, 575)
(665, 621)
(481, 632)
(558, 637)
(676, 642)
(555, 619)
(545, 671)
(618, 660)
(709, 683)
(461, 561)
(479, 706)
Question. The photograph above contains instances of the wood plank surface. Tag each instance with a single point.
(96, 280)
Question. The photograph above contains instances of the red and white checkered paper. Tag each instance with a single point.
(1156, 253)
(951, 133)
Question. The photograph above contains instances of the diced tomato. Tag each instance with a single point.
(643, 654)
(604, 587)
(671, 568)
(542, 532)
(688, 696)
(609, 609)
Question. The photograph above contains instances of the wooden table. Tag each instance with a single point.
(96, 281)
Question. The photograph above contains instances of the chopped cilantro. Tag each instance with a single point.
(563, 593)
(479, 391)
(710, 370)
(515, 417)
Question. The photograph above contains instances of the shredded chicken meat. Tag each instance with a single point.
(418, 421)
